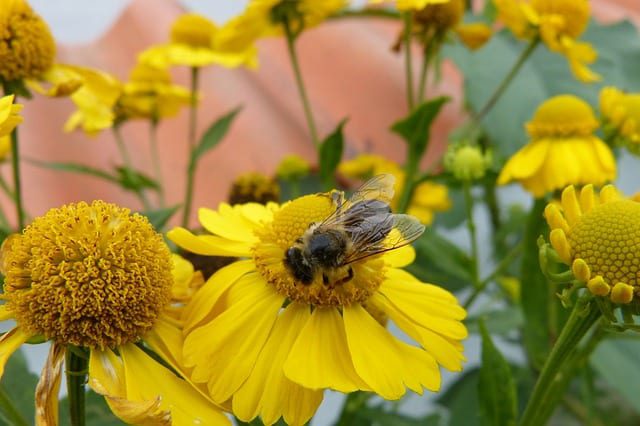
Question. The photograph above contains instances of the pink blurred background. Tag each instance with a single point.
(349, 69)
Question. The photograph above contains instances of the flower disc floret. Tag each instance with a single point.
(27, 48)
(287, 226)
(89, 275)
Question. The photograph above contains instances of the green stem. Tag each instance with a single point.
(541, 402)
(408, 66)
(411, 170)
(17, 187)
(128, 165)
(471, 227)
(428, 54)
(4, 222)
(506, 81)
(155, 159)
(191, 168)
(368, 13)
(76, 379)
(7, 190)
(354, 402)
(10, 410)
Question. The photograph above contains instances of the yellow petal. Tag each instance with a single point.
(231, 226)
(587, 199)
(570, 205)
(474, 35)
(525, 163)
(223, 351)
(145, 380)
(385, 363)
(401, 257)
(267, 392)
(5, 314)
(201, 305)
(423, 289)
(48, 386)
(9, 343)
(208, 245)
(323, 344)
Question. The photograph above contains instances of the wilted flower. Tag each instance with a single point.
(563, 149)
(254, 187)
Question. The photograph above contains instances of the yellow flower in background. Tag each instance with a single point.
(407, 5)
(95, 101)
(270, 344)
(558, 23)
(474, 35)
(563, 149)
(292, 167)
(100, 278)
(9, 115)
(27, 48)
(149, 94)
(194, 43)
(598, 237)
(428, 197)
(253, 187)
(621, 115)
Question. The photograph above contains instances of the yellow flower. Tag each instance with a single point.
(95, 101)
(5, 147)
(99, 278)
(474, 35)
(439, 18)
(9, 115)
(270, 344)
(408, 5)
(621, 115)
(149, 94)
(598, 237)
(293, 167)
(27, 47)
(194, 43)
(558, 23)
(563, 149)
(255, 188)
(428, 197)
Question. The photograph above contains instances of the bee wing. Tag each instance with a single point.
(372, 198)
(380, 234)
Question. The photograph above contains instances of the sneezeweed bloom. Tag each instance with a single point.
(270, 344)
(9, 115)
(597, 236)
(428, 197)
(558, 23)
(98, 278)
(292, 167)
(563, 149)
(27, 48)
(467, 162)
(149, 94)
(254, 188)
(411, 5)
(621, 117)
(193, 43)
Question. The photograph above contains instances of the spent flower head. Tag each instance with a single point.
(563, 149)
(254, 187)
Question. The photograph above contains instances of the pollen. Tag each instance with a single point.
(289, 224)
(93, 275)
(27, 47)
(193, 30)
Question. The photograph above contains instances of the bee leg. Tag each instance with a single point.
(348, 278)
(325, 279)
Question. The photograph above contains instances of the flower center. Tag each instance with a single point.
(88, 275)
(341, 286)
(27, 47)
(563, 116)
(574, 14)
(193, 30)
(608, 239)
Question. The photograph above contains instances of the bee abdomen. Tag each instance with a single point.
(295, 261)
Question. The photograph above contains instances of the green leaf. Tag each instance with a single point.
(617, 362)
(330, 155)
(18, 88)
(378, 416)
(160, 217)
(440, 261)
(214, 134)
(496, 387)
(19, 386)
(76, 168)
(501, 321)
(415, 128)
(461, 399)
(96, 409)
(545, 74)
(134, 180)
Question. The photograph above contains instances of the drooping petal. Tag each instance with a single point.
(386, 364)
(401, 257)
(322, 343)
(525, 163)
(48, 386)
(225, 350)
(232, 225)
(208, 245)
(201, 307)
(145, 379)
(267, 392)
(9, 343)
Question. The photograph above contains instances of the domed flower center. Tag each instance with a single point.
(574, 14)
(608, 239)
(27, 47)
(339, 286)
(563, 116)
(440, 17)
(88, 275)
(193, 30)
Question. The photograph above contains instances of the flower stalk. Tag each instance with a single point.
(471, 227)
(155, 159)
(10, 410)
(17, 186)
(128, 165)
(408, 60)
(193, 125)
(76, 379)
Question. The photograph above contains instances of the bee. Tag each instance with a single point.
(360, 227)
